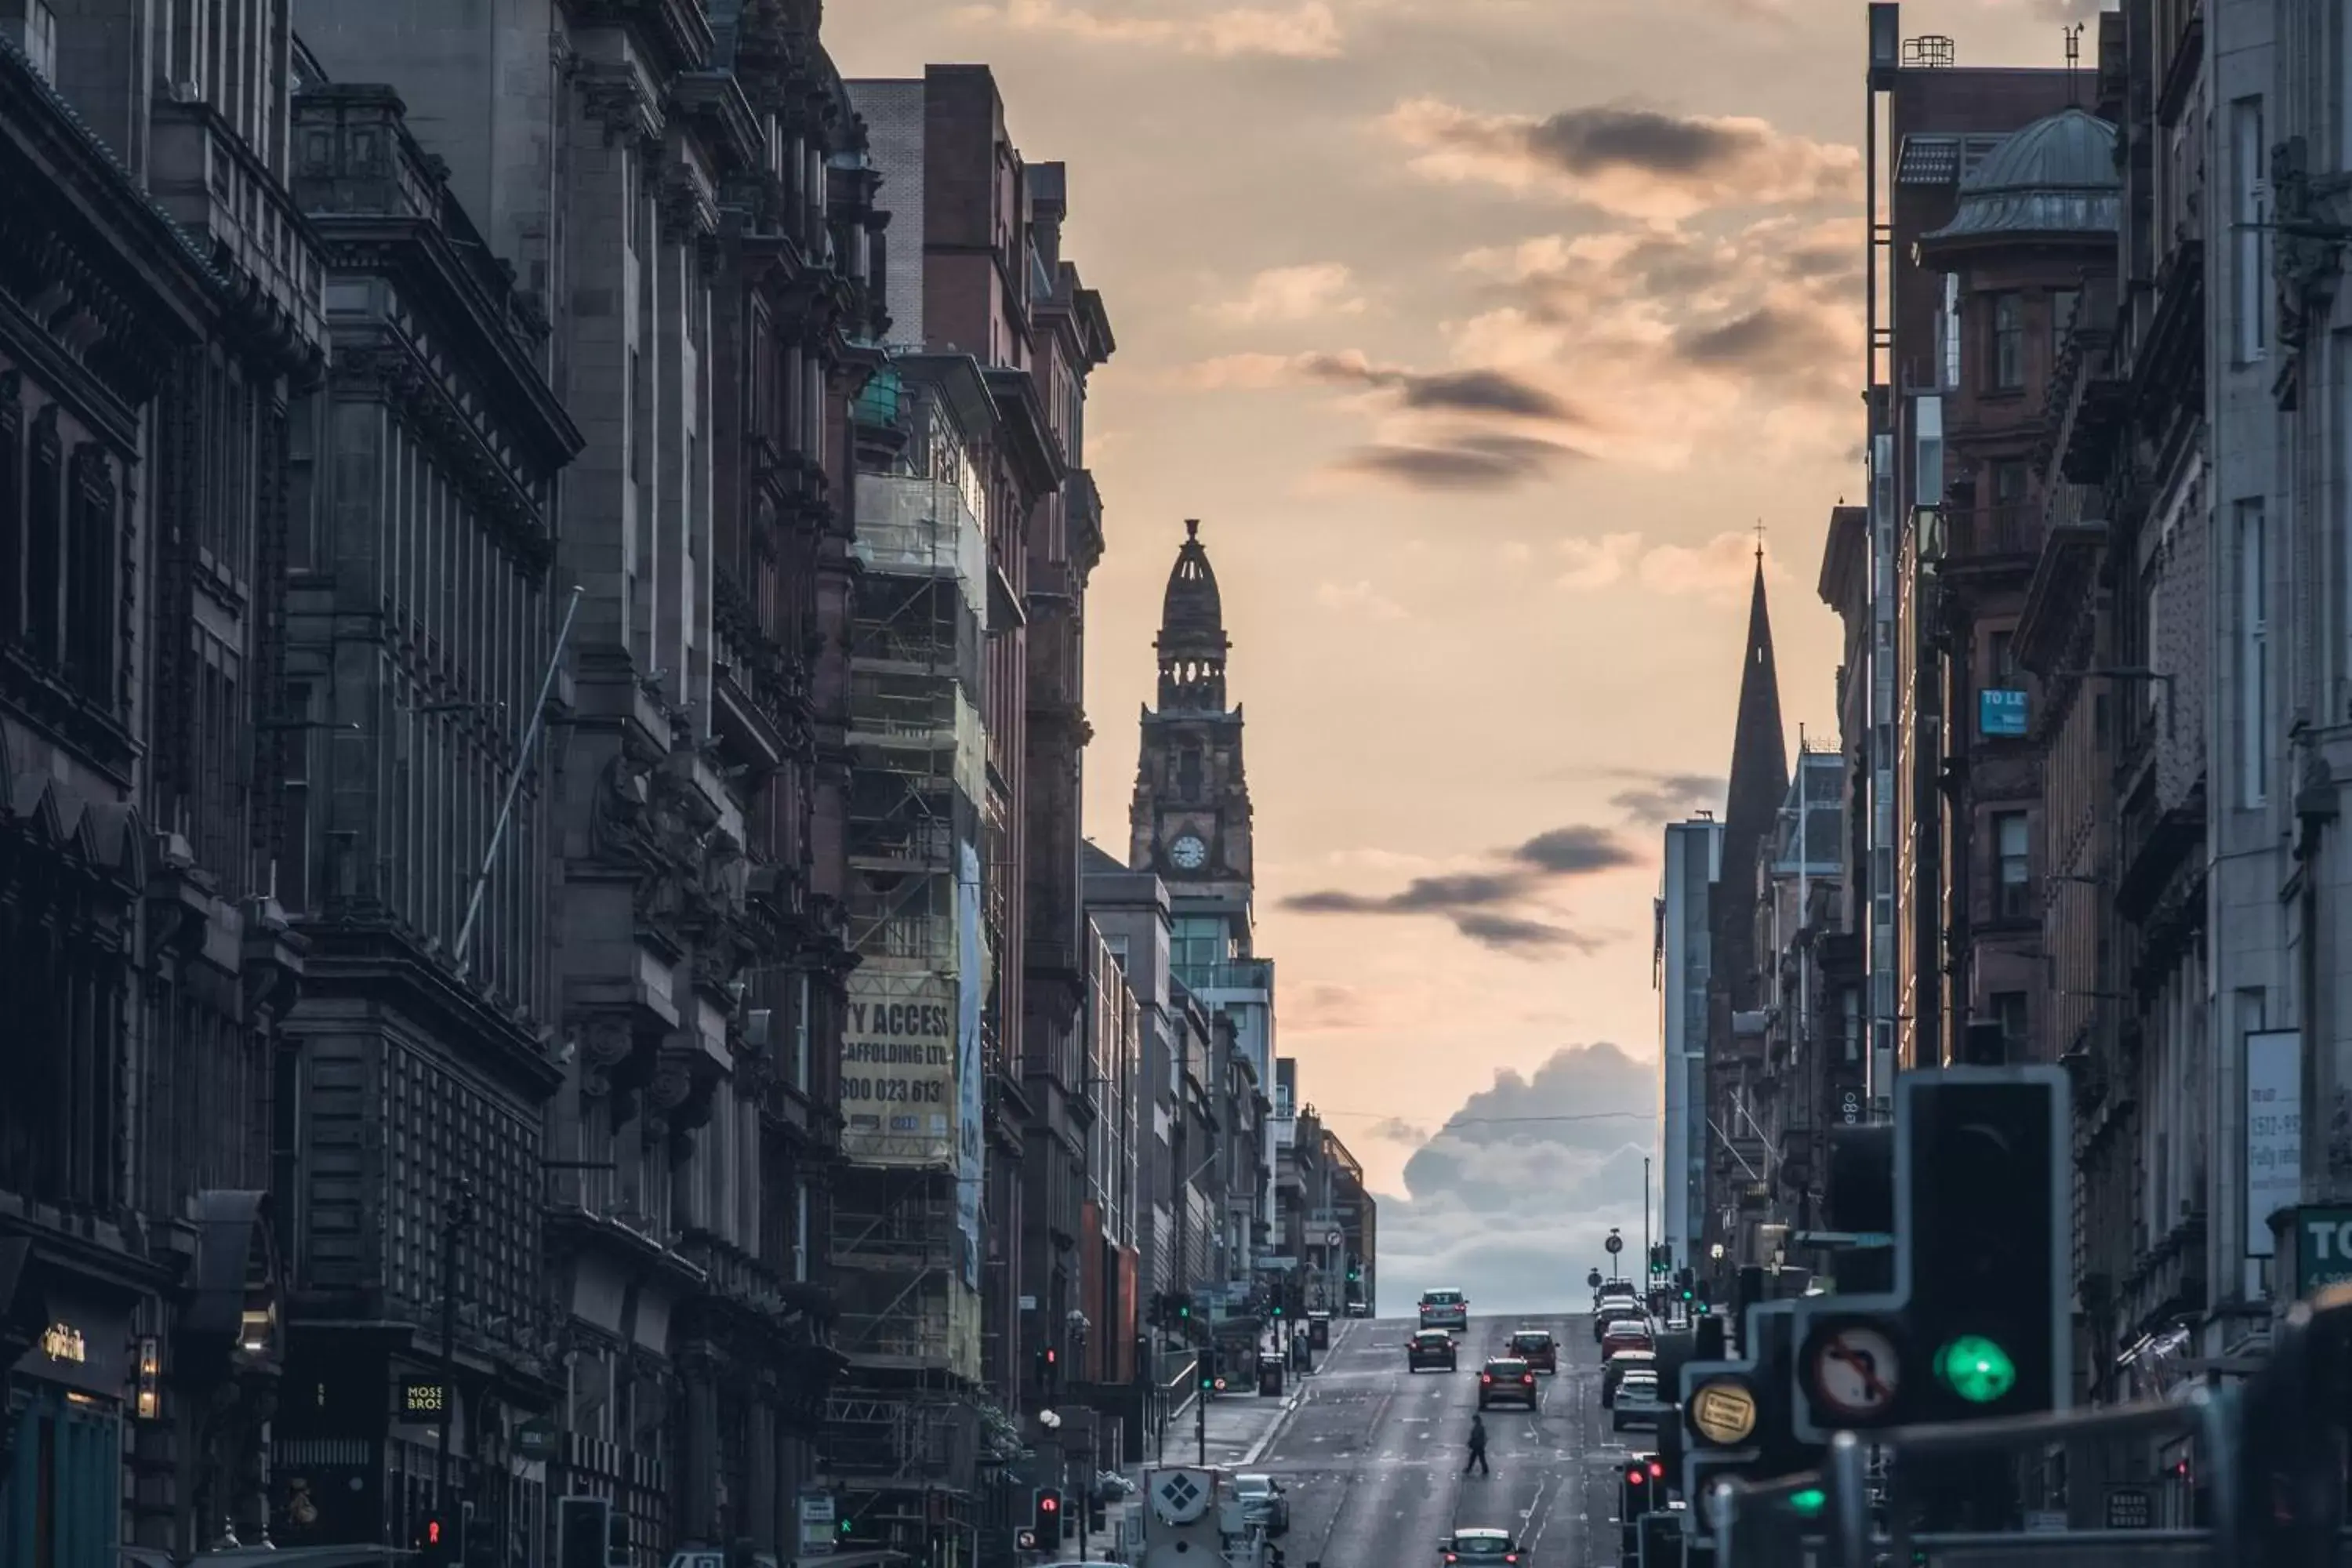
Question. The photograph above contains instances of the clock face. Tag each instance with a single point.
(1189, 853)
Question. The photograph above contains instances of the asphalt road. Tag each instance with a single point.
(1372, 1457)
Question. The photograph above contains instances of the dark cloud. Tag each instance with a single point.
(1502, 1184)
(1460, 463)
(1444, 391)
(1567, 851)
(1511, 934)
(1769, 338)
(1397, 1130)
(1595, 140)
(1660, 798)
(1488, 907)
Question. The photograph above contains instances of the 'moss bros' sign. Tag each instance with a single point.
(897, 1070)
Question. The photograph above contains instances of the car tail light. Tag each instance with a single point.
(1526, 1377)
(1485, 1377)
(1510, 1557)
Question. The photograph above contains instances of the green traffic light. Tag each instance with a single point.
(1976, 1369)
(1686, 1295)
(1808, 1502)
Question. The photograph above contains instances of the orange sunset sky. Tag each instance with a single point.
(1480, 334)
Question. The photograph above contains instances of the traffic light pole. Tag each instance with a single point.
(454, 1217)
(1200, 1423)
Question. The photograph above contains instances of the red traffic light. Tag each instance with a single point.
(1049, 1503)
(1052, 1356)
(1657, 1470)
(1636, 1476)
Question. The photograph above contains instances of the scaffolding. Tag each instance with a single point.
(906, 1428)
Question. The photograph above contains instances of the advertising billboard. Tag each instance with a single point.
(899, 1069)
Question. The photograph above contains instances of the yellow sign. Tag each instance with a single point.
(1723, 1413)
(63, 1342)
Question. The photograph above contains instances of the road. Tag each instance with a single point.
(1372, 1455)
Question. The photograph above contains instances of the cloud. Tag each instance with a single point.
(1722, 570)
(1360, 598)
(1636, 163)
(1308, 30)
(1323, 1008)
(1466, 462)
(1446, 392)
(1599, 562)
(1397, 1130)
(1282, 294)
(1521, 1184)
(1655, 799)
(1571, 851)
(1498, 908)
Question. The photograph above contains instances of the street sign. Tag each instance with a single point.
(1723, 1412)
(1614, 1244)
(535, 1439)
(1026, 1540)
(1857, 1372)
(1592, 1280)
(1335, 1238)
(2130, 1508)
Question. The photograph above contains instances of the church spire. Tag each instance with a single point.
(1759, 783)
(1193, 643)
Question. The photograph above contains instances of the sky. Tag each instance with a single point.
(1481, 335)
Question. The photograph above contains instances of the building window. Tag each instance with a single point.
(2014, 876)
(2008, 343)
(2253, 657)
(1188, 773)
(2001, 659)
(2251, 199)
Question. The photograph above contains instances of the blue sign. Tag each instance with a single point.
(2001, 713)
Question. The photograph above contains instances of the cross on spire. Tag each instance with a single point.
(1759, 541)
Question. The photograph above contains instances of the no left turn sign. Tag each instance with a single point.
(1857, 1373)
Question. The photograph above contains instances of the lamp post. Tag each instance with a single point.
(456, 1216)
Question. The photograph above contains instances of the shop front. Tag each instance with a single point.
(64, 1502)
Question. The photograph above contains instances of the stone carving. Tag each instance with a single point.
(603, 1045)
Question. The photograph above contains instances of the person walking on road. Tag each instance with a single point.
(1477, 1461)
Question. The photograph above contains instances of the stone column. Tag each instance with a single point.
(757, 1517)
(700, 1492)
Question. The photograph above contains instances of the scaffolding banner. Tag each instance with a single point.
(899, 1069)
(972, 989)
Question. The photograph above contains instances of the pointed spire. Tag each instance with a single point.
(1192, 642)
(1759, 783)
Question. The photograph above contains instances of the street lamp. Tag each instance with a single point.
(456, 1218)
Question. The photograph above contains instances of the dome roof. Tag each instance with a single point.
(2054, 178)
(1192, 613)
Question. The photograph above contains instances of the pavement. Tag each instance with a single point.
(1372, 1455)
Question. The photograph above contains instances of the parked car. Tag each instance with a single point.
(1480, 1546)
(1432, 1347)
(1614, 1369)
(1263, 1503)
(1637, 1404)
(1444, 1309)
(1506, 1380)
(1536, 1348)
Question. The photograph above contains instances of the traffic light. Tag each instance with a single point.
(1643, 1488)
(1209, 1370)
(1735, 1414)
(1183, 1306)
(1978, 1323)
(582, 1532)
(618, 1551)
(436, 1541)
(477, 1541)
(1045, 1514)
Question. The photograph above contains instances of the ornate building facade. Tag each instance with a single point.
(680, 191)
(169, 309)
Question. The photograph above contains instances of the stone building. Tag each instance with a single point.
(1190, 823)
(166, 309)
(421, 615)
(682, 192)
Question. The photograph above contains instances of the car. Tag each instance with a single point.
(1615, 1290)
(1627, 1334)
(1614, 1369)
(1444, 1309)
(1609, 1312)
(1536, 1347)
(1263, 1503)
(1637, 1402)
(1432, 1347)
(1480, 1546)
(1506, 1380)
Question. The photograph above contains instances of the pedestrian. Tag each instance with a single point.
(1477, 1447)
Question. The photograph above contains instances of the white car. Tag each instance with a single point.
(1444, 1309)
(1637, 1404)
(1263, 1503)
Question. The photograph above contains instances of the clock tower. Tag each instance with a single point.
(1190, 819)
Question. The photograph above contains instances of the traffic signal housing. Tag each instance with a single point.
(436, 1541)
(1978, 1322)
(1045, 1514)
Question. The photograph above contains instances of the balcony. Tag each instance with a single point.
(1241, 974)
(2008, 534)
